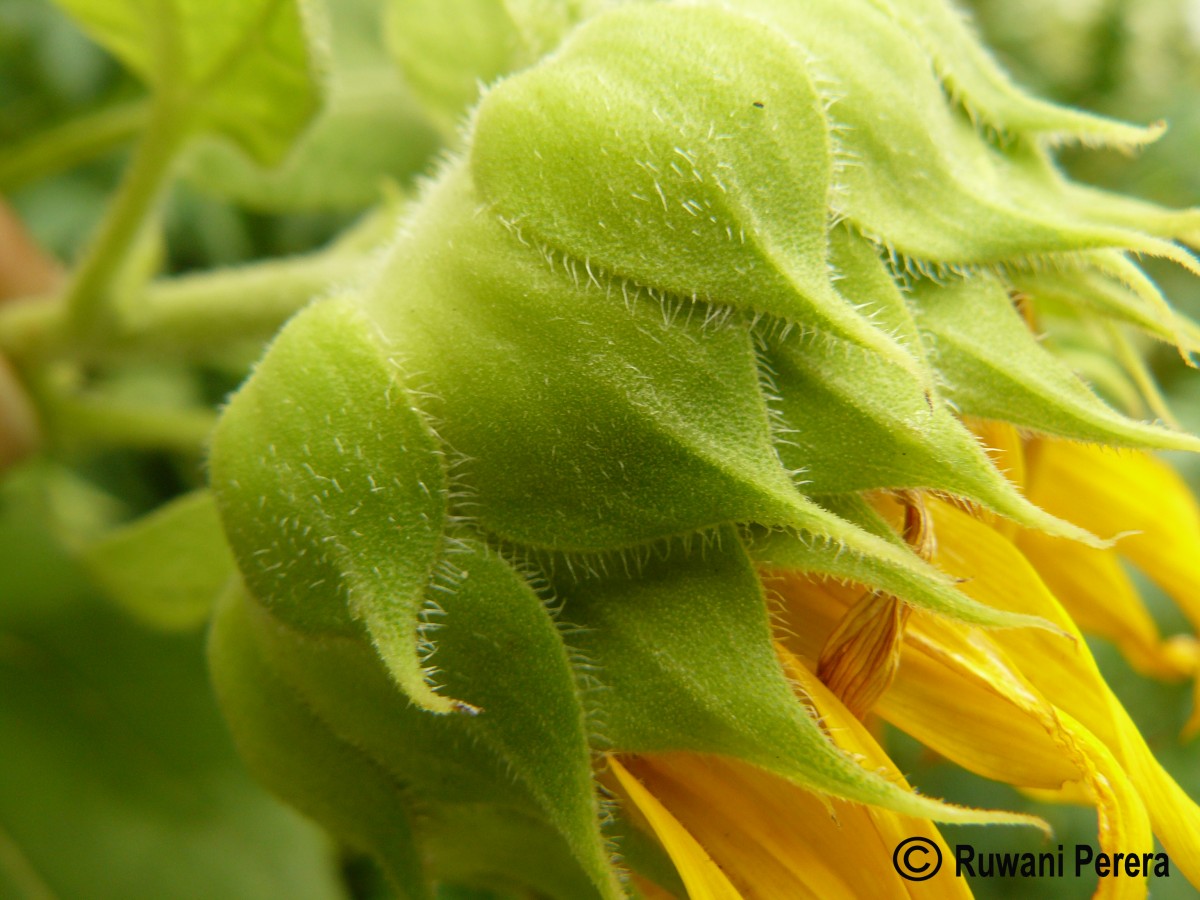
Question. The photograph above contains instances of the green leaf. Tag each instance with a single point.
(167, 568)
(448, 48)
(993, 367)
(249, 69)
(298, 757)
(117, 778)
(371, 132)
(710, 162)
(644, 633)
(332, 490)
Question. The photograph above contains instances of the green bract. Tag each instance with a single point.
(699, 279)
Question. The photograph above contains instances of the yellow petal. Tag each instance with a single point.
(1124, 826)
(756, 827)
(850, 734)
(1112, 492)
(702, 877)
(1094, 589)
(994, 572)
(1174, 815)
(1007, 676)
(1066, 672)
(776, 840)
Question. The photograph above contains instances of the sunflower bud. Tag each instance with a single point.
(705, 288)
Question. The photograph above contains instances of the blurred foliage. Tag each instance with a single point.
(117, 776)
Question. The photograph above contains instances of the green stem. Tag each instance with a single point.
(71, 143)
(200, 313)
(185, 317)
(95, 421)
(89, 304)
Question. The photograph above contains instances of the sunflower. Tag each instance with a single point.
(697, 421)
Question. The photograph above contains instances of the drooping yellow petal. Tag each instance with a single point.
(776, 840)
(1066, 672)
(1101, 599)
(994, 572)
(702, 877)
(1008, 729)
(1124, 825)
(1090, 583)
(742, 820)
(1174, 815)
(1113, 492)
